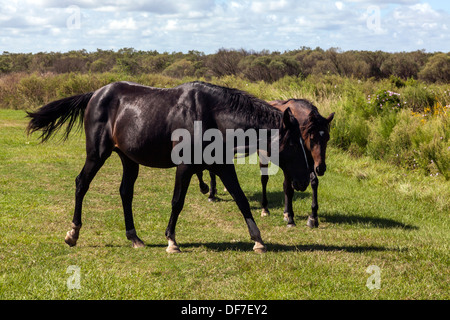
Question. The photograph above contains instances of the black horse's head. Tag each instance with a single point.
(292, 156)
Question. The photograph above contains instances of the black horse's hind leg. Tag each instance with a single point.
(182, 179)
(82, 182)
(213, 189)
(130, 174)
(264, 179)
(313, 219)
(288, 214)
(227, 174)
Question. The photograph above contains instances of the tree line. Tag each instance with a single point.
(252, 65)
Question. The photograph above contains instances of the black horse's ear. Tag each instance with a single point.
(330, 117)
(287, 121)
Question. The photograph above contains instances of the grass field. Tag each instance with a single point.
(370, 214)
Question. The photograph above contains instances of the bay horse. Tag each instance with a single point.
(137, 123)
(314, 129)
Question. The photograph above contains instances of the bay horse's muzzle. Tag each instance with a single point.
(320, 169)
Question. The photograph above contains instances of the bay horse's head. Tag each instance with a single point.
(316, 133)
(314, 128)
(292, 152)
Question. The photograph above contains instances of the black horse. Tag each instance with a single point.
(137, 122)
(315, 133)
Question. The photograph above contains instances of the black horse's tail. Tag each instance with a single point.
(52, 116)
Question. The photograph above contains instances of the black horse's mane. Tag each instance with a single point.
(242, 103)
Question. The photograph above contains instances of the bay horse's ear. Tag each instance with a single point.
(287, 121)
(330, 117)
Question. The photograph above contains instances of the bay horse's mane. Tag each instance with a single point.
(241, 103)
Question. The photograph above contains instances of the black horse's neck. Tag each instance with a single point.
(242, 109)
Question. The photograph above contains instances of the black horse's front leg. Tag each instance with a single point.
(313, 219)
(182, 179)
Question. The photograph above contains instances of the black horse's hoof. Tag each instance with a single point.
(290, 225)
(312, 222)
(212, 199)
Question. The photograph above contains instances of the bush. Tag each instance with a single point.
(179, 69)
(99, 65)
(437, 69)
(418, 98)
(384, 101)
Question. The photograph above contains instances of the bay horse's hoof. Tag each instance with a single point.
(312, 222)
(265, 212)
(204, 189)
(291, 225)
(259, 248)
(211, 199)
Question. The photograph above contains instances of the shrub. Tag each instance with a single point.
(437, 69)
(418, 98)
(99, 65)
(384, 101)
(179, 69)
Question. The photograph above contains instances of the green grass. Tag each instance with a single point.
(371, 213)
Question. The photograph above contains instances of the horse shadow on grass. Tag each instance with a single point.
(372, 222)
(275, 199)
(277, 247)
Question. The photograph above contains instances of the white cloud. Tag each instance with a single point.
(206, 25)
(123, 24)
(339, 5)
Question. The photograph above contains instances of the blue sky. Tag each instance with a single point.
(207, 25)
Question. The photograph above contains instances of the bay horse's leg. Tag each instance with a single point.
(203, 186)
(83, 180)
(130, 174)
(227, 174)
(313, 219)
(288, 214)
(264, 179)
(213, 189)
(182, 179)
